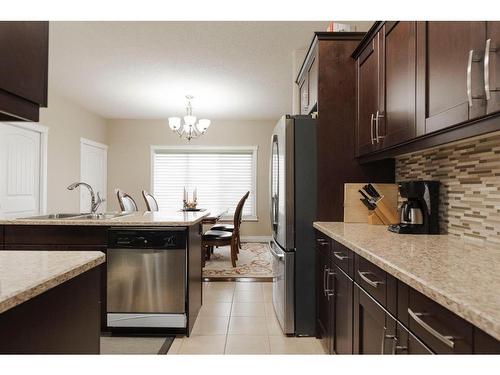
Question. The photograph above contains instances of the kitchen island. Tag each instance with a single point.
(94, 234)
(49, 302)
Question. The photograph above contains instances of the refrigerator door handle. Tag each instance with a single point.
(274, 253)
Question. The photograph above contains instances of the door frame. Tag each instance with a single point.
(44, 142)
(102, 146)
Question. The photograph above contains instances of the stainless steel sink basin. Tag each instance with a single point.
(100, 216)
(96, 216)
(52, 216)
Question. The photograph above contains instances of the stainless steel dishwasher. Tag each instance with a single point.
(146, 272)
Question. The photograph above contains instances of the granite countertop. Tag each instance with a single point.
(26, 274)
(461, 275)
(139, 218)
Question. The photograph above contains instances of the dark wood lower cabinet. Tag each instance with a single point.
(324, 302)
(369, 324)
(62, 320)
(343, 299)
(351, 318)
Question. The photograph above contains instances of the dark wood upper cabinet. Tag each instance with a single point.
(23, 69)
(368, 96)
(399, 56)
(455, 86)
(304, 96)
(312, 78)
(492, 67)
(426, 84)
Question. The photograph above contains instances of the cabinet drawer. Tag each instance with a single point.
(440, 329)
(323, 244)
(343, 257)
(55, 235)
(371, 278)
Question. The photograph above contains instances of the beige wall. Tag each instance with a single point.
(67, 122)
(129, 166)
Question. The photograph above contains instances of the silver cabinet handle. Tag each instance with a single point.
(487, 88)
(324, 280)
(329, 291)
(378, 115)
(339, 255)
(469, 78)
(487, 69)
(371, 129)
(367, 280)
(447, 340)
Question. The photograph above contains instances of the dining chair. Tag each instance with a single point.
(230, 227)
(151, 203)
(126, 202)
(218, 238)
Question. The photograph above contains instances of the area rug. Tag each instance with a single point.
(135, 345)
(254, 261)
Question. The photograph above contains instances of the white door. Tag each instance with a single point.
(93, 171)
(20, 170)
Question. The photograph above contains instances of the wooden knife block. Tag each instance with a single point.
(387, 207)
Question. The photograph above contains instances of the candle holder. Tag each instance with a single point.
(190, 205)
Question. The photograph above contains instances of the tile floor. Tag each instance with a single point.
(238, 318)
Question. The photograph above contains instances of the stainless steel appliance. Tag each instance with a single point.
(293, 210)
(146, 277)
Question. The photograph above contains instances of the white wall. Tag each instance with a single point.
(129, 164)
(67, 122)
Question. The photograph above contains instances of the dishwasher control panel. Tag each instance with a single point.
(147, 238)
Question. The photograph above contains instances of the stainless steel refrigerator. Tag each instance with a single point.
(293, 210)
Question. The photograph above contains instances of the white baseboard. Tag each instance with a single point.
(256, 238)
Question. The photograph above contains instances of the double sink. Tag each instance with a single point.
(88, 216)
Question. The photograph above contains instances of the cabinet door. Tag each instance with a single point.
(343, 300)
(398, 122)
(449, 79)
(24, 59)
(492, 67)
(324, 325)
(304, 96)
(367, 103)
(369, 324)
(313, 85)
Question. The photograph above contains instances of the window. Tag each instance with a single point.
(221, 175)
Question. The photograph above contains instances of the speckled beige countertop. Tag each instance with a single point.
(26, 274)
(140, 218)
(462, 276)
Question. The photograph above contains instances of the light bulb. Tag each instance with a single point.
(174, 123)
(189, 120)
(203, 125)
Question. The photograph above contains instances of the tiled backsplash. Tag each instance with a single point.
(469, 172)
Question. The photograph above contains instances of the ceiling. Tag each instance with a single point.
(235, 70)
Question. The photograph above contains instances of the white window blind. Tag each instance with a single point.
(220, 175)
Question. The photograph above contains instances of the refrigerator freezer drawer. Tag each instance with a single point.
(283, 287)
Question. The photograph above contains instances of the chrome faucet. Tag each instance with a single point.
(94, 203)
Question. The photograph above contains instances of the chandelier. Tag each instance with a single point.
(190, 128)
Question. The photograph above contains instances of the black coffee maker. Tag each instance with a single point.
(419, 213)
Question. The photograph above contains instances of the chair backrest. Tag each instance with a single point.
(238, 213)
(126, 202)
(151, 203)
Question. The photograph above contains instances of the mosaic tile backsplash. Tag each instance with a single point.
(470, 185)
